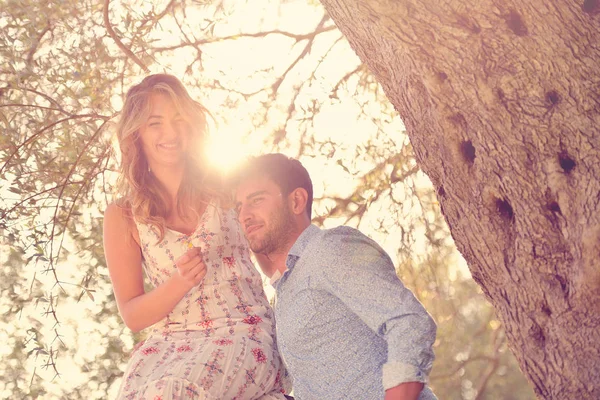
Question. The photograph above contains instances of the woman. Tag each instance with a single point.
(212, 330)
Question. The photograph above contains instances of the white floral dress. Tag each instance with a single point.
(219, 340)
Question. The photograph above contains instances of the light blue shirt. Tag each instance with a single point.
(347, 328)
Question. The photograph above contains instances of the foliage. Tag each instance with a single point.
(65, 67)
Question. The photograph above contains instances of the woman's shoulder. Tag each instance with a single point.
(118, 210)
(117, 218)
(114, 212)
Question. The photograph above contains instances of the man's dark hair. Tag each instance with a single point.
(286, 172)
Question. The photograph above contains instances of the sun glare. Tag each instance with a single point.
(225, 148)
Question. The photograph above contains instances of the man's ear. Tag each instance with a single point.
(299, 198)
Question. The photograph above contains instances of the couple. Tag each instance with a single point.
(346, 326)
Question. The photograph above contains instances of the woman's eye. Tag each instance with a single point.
(154, 124)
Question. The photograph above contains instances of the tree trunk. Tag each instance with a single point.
(501, 101)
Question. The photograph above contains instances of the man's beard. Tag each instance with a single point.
(278, 235)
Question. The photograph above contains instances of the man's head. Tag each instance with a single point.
(273, 196)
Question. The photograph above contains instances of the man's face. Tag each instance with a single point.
(265, 215)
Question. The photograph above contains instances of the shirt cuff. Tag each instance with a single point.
(396, 373)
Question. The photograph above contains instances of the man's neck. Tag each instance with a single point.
(271, 263)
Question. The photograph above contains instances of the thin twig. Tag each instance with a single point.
(88, 180)
(31, 105)
(44, 129)
(69, 174)
(45, 96)
(6, 213)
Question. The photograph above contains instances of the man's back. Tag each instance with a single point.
(339, 308)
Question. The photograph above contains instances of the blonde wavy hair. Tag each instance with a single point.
(141, 195)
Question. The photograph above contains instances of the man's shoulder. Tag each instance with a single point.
(340, 232)
(323, 243)
(344, 235)
(341, 241)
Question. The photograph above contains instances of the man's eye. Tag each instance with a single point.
(257, 200)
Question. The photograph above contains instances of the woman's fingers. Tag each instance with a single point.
(188, 256)
(199, 271)
(194, 270)
(188, 259)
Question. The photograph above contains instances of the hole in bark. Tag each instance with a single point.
(546, 310)
(552, 97)
(554, 207)
(563, 283)
(442, 76)
(536, 333)
(441, 191)
(468, 151)
(591, 6)
(566, 162)
(505, 209)
(459, 120)
(516, 24)
(469, 24)
(500, 94)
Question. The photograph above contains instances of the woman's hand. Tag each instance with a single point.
(190, 267)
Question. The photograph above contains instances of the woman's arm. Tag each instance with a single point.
(138, 309)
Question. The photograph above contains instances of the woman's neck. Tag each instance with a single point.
(170, 179)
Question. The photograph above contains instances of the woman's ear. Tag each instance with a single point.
(299, 199)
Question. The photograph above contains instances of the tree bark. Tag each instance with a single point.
(501, 100)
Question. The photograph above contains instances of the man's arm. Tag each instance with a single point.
(362, 275)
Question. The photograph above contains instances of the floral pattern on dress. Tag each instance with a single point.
(201, 350)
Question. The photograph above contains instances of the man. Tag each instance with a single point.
(346, 326)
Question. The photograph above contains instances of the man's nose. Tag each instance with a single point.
(243, 214)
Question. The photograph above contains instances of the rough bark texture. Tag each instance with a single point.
(501, 100)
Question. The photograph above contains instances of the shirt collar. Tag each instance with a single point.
(296, 251)
(301, 243)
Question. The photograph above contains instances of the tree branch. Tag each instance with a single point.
(345, 78)
(297, 37)
(34, 47)
(306, 50)
(114, 37)
(45, 96)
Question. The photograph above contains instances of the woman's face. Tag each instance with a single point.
(165, 136)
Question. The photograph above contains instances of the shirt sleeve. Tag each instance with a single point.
(361, 274)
